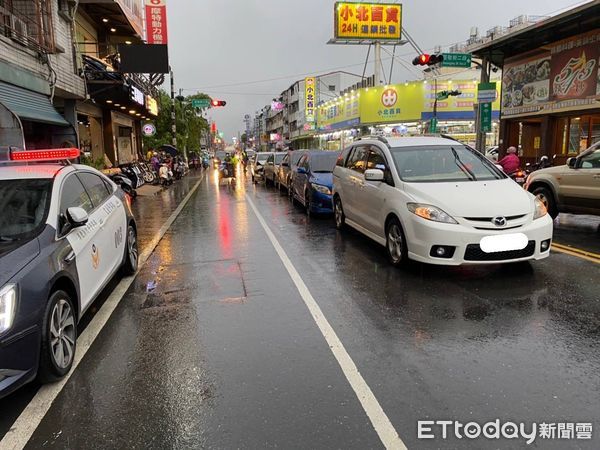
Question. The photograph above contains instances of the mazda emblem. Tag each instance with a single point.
(499, 221)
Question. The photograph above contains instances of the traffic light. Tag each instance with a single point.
(217, 103)
(428, 60)
(421, 60)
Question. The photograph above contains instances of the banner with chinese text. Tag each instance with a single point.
(156, 22)
(310, 98)
(372, 21)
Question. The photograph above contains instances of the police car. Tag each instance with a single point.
(65, 230)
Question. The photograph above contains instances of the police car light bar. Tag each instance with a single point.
(55, 154)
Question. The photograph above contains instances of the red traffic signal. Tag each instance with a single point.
(427, 60)
(217, 103)
(421, 60)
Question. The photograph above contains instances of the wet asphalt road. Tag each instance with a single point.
(223, 353)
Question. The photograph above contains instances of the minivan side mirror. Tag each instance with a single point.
(374, 175)
(572, 163)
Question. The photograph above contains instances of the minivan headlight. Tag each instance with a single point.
(540, 209)
(430, 212)
(8, 303)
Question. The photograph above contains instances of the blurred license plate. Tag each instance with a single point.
(520, 180)
(503, 243)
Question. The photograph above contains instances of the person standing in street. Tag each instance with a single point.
(511, 162)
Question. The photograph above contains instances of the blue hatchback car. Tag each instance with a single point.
(313, 181)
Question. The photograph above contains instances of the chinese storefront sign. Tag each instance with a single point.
(564, 78)
(310, 98)
(156, 22)
(373, 21)
(340, 113)
(152, 105)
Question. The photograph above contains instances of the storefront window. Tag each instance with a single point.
(562, 136)
(595, 130)
(574, 135)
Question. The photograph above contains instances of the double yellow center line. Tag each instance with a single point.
(578, 253)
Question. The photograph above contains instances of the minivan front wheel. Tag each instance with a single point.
(396, 243)
(338, 211)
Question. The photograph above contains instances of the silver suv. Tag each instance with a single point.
(572, 188)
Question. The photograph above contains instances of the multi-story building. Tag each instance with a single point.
(110, 118)
(58, 79)
(39, 83)
(288, 125)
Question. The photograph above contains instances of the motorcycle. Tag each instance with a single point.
(226, 171)
(519, 176)
(147, 173)
(133, 173)
(166, 178)
(542, 164)
(124, 183)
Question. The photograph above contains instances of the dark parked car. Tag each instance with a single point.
(272, 166)
(314, 180)
(286, 169)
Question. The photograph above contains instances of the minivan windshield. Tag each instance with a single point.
(443, 163)
(24, 205)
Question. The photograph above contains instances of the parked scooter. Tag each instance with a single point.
(166, 175)
(124, 183)
(133, 173)
(147, 173)
(542, 164)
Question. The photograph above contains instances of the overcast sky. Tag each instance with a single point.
(218, 45)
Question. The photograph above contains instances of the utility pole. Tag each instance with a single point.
(377, 71)
(173, 114)
(480, 137)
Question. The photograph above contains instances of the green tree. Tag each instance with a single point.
(190, 123)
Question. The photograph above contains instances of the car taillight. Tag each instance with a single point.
(57, 154)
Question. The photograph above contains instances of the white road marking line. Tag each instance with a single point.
(380, 421)
(26, 424)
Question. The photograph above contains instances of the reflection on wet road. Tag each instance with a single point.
(213, 347)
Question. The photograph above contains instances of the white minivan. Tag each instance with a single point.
(435, 200)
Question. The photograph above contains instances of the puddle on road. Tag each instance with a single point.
(176, 285)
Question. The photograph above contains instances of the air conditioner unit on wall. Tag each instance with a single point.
(19, 30)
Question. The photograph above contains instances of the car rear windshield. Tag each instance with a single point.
(24, 205)
(324, 162)
(296, 157)
(443, 163)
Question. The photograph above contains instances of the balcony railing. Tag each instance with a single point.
(29, 23)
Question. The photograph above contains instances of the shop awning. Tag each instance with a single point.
(29, 105)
